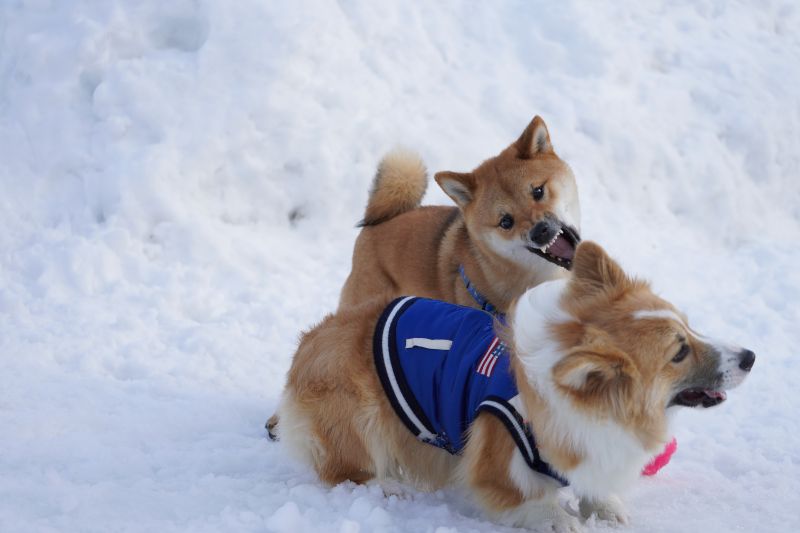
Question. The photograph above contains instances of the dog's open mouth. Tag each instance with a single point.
(561, 249)
(699, 397)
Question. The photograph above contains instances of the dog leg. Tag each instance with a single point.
(335, 472)
(505, 485)
(333, 450)
(610, 509)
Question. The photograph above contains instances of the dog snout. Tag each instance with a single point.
(543, 232)
(746, 360)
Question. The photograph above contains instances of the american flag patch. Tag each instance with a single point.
(489, 359)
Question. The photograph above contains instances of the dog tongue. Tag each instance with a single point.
(561, 248)
(720, 395)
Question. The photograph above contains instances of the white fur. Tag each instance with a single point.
(515, 250)
(384, 461)
(666, 314)
(528, 482)
(613, 456)
(544, 514)
(568, 209)
(610, 509)
(729, 358)
(536, 310)
(295, 431)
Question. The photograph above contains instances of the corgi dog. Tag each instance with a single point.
(577, 390)
(516, 225)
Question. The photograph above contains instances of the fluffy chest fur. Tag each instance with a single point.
(596, 453)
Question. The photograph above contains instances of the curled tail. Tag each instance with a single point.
(398, 186)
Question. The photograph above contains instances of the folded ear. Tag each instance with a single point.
(458, 186)
(534, 140)
(597, 376)
(593, 269)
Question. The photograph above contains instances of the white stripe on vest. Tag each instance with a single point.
(424, 433)
(511, 418)
(430, 344)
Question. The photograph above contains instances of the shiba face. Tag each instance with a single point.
(522, 204)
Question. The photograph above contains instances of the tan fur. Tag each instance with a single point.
(334, 386)
(349, 431)
(418, 252)
(626, 362)
(404, 249)
(498, 493)
(337, 417)
(630, 374)
(399, 186)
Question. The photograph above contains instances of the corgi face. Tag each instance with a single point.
(612, 350)
(700, 369)
(522, 204)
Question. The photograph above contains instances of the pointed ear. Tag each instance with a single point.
(597, 375)
(534, 140)
(458, 186)
(593, 269)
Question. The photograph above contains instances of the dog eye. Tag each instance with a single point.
(537, 192)
(506, 222)
(681, 355)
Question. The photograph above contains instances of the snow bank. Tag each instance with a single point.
(180, 182)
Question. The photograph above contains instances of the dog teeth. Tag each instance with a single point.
(552, 241)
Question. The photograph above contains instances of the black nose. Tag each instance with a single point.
(746, 360)
(543, 232)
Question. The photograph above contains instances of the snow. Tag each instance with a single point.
(180, 182)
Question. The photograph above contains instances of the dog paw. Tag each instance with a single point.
(609, 510)
(272, 427)
(542, 516)
(390, 487)
(565, 523)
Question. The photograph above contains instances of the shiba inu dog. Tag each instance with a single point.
(576, 390)
(515, 225)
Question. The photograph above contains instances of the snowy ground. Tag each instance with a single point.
(180, 182)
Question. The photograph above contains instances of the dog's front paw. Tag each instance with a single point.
(546, 516)
(609, 510)
(564, 523)
(390, 487)
(272, 427)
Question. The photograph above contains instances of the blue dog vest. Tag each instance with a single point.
(440, 365)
